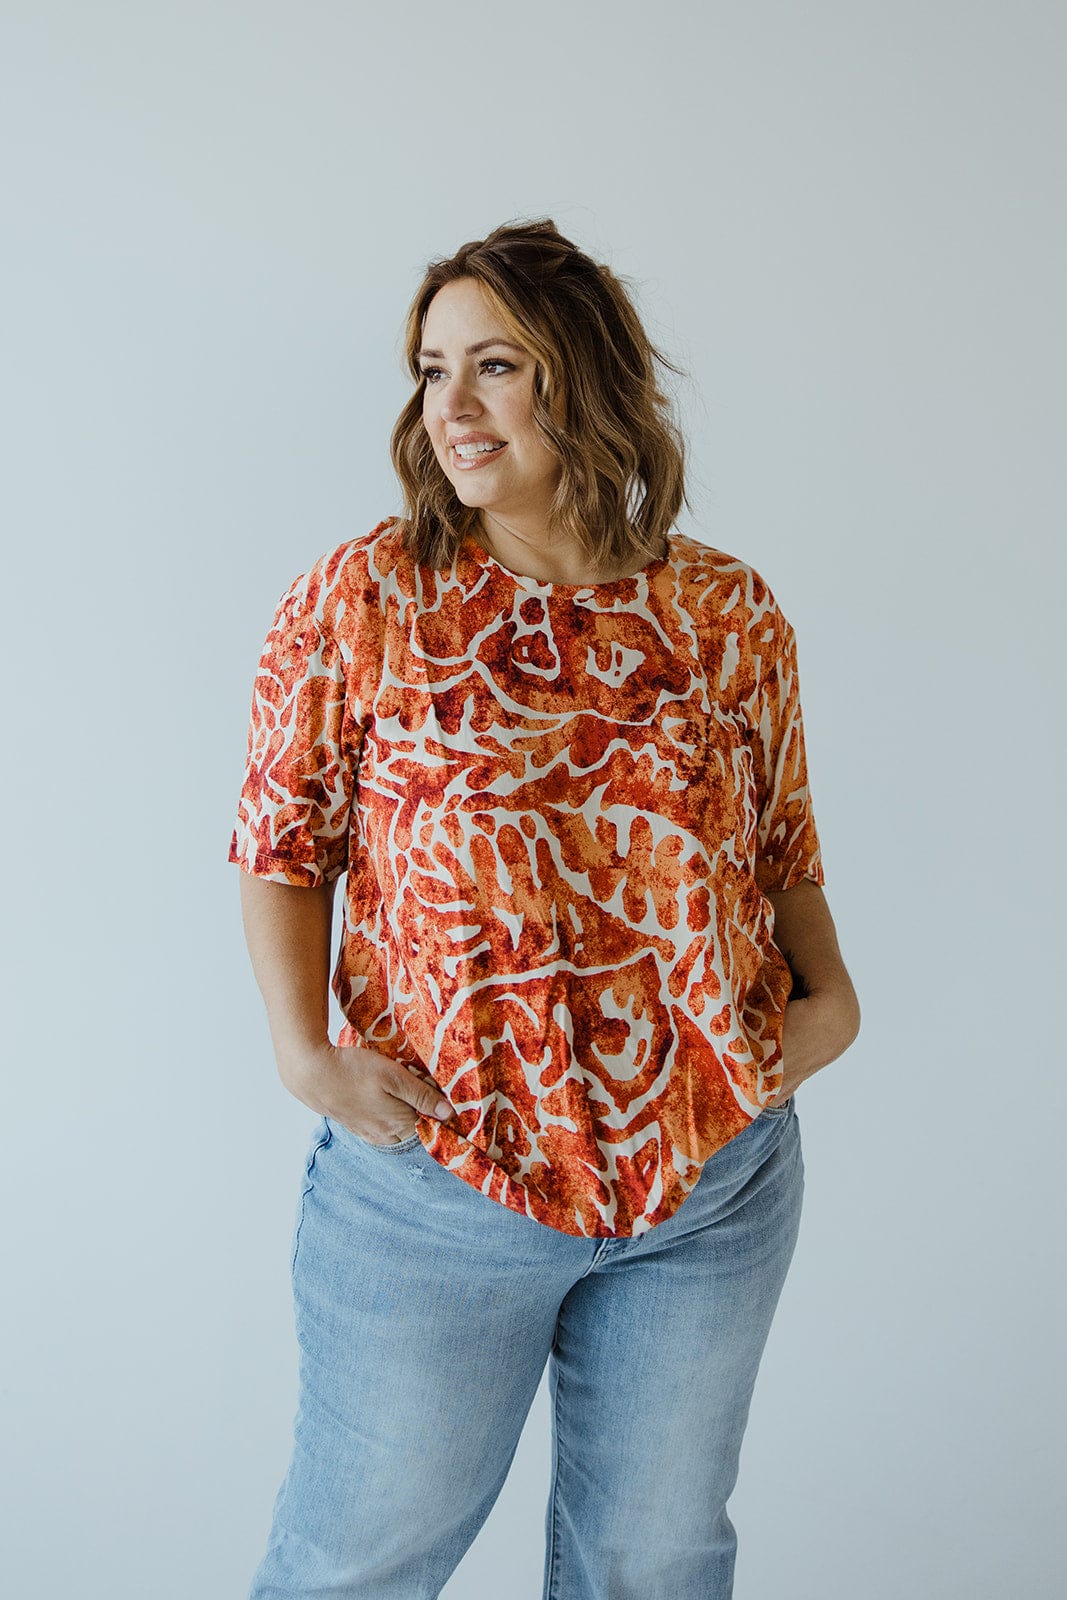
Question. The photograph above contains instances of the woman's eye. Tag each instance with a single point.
(431, 374)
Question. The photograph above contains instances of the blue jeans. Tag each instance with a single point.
(425, 1314)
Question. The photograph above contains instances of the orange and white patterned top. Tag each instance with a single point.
(558, 807)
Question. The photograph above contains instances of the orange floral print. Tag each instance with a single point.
(559, 809)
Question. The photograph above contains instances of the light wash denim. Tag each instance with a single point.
(425, 1314)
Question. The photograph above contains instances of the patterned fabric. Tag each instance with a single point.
(559, 808)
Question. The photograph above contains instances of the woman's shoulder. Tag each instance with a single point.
(718, 583)
(343, 580)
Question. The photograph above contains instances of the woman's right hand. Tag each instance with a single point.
(373, 1096)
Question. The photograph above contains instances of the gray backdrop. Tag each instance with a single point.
(845, 219)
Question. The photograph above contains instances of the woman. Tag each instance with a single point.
(555, 749)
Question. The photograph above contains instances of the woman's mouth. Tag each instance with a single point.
(469, 457)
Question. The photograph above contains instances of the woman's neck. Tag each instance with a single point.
(548, 560)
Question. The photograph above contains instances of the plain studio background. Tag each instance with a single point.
(846, 221)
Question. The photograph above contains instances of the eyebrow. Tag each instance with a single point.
(472, 349)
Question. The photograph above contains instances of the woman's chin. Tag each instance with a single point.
(473, 494)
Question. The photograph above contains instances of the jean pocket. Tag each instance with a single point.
(322, 1136)
(778, 1111)
(398, 1149)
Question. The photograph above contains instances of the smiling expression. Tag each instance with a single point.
(478, 407)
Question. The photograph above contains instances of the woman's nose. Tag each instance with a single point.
(460, 401)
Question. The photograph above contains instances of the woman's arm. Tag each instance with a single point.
(823, 1017)
(288, 930)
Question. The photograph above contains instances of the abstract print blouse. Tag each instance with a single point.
(558, 809)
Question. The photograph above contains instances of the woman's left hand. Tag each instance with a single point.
(821, 1023)
(815, 1031)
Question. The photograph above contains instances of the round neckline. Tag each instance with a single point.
(522, 580)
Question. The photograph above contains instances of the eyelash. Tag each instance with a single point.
(490, 361)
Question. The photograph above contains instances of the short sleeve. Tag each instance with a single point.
(787, 848)
(293, 814)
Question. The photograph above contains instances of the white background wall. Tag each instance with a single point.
(846, 220)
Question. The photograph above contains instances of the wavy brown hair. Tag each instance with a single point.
(596, 401)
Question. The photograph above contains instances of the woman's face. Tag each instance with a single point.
(479, 392)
